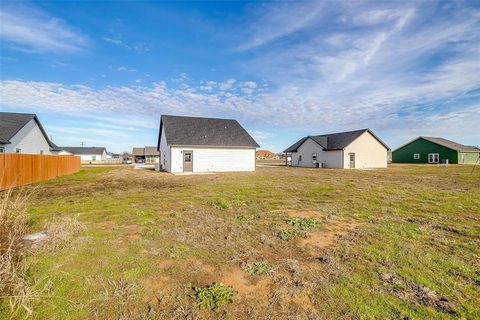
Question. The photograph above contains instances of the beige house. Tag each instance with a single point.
(360, 149)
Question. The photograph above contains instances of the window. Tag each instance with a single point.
(433, 158)
(416, 156)
(41, 151)
(2, 149)
(299, 158)
(314, 158)
(18, 150)
(94, 158)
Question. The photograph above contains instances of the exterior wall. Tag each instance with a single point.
(89, 157)
(468, 157)
(62, 153)
(30, 139)
(165, 158)
(330, 159)
(369, 152)
(423, 148)
(214, 159)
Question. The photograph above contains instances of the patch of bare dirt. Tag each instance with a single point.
(306, 214)
(328, 235)
(246, 286)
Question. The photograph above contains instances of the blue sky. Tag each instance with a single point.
(103, 73)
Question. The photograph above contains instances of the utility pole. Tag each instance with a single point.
(82, 144)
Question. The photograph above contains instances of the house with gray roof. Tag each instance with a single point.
(145, 155)
(23, 133)
(194, 144)
(435, 150)
(87, 154)
(359, 149)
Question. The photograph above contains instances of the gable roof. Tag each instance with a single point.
(147, 151)
(334, 141)
(11, 123)
(446, 143)
(196, 131)
(84, 150)
(265, 153)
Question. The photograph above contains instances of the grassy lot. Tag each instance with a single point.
(401, 243)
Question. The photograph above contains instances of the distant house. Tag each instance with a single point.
(352, 149)
(266, 155)
(87, 154)
(435, 150)
(23, 133)
(146, 155)
(193, 144)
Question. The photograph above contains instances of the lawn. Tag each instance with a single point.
(280, 243)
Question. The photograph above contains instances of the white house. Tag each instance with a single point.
(23, 133)
(87, 154)
(346, 150)
(193, 144)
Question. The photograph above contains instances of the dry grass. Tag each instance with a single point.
(13, 226)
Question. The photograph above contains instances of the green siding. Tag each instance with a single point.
(423, 147)
(468, 157)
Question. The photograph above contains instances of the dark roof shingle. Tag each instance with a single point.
(11, 123)
(334, 141)
(84, 150)
(195, 131)
(147, 151)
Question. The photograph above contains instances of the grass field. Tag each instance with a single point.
(280, 243)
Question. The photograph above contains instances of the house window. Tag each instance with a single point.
(94, 158)
(433, 158)
(314, 158)
(41, 151)
(18, 150)
(416, 156)
(299, 158)
(2, 149)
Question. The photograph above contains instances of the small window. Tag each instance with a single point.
(314, 157)
(2, 149)
(300, 158)
(416, 156)
(18, 150)
(94, 158)
(41, 151)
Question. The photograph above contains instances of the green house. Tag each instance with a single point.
(435, 150)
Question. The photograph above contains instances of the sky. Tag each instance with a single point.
(102, 73)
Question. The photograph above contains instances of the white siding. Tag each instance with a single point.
(29, 139)
(330, 159)
(165, 159)
(89, 157)
(214, 159)
(369, 152)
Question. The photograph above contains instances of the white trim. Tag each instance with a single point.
(433, 158)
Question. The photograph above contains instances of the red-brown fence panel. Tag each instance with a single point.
(21, 169)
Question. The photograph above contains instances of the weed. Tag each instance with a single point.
(300, 227)
(258, 268)
(214, 296)
(179, 251)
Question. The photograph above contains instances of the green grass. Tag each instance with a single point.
(151, 238)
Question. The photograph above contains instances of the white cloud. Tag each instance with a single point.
(126, 69)
(30, 29)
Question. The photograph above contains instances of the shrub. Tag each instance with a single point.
(214, 296)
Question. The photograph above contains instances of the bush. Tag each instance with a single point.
(215, 296)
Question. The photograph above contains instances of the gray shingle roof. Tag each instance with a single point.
(334, 141)
(11, 123)
(147, 151)
(195, 131)
(452, 145)
(84, 150)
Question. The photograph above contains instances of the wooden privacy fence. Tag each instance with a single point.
(20, 169)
